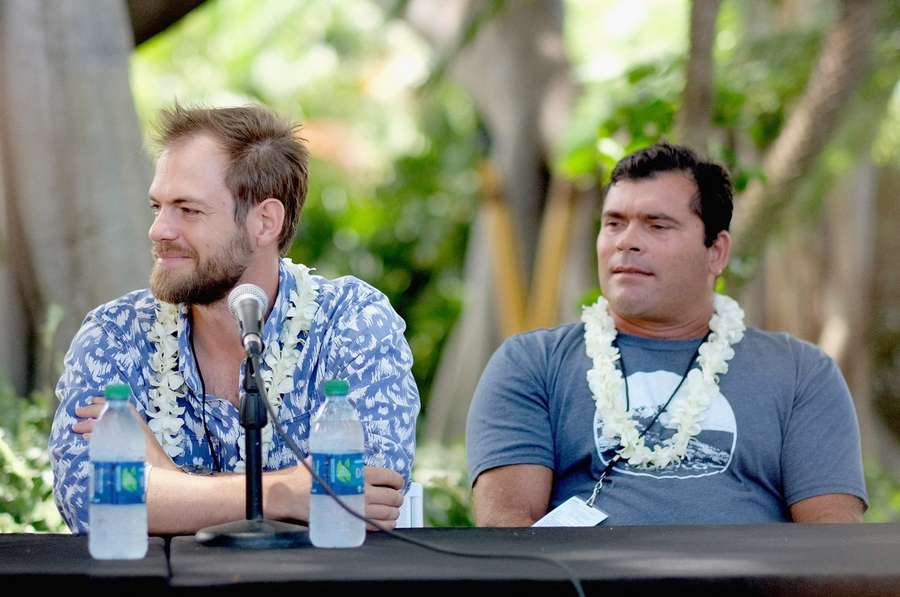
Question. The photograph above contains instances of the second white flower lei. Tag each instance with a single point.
(700, 387)
(281, 358)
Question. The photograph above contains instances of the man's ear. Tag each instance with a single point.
(719, 253)
(265, 221)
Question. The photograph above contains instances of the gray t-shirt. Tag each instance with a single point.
(781, 430)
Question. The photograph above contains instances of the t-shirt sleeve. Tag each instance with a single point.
(371, 353)
(821, 451)
(509, 420)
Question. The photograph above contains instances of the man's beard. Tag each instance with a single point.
(210, 281)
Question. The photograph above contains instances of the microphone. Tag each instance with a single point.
(248, 304)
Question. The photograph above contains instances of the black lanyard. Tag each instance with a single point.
(615, 459)
(211, 442)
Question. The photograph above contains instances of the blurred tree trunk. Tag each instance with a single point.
(516, 70)
(14, 345)
(817, 280)
(841, 65)
(695, 116)
(846, 295)
(884, 322)
(75, 173)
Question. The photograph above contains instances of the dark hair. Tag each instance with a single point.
(267, 157)
(714, 200)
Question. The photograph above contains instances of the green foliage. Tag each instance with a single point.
(635, 110)
(753, 86)
(26, 481)
(407, 235)
(392, 183)
(884, 496)
(442, 472)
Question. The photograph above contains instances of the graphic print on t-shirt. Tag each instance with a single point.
(708, 452)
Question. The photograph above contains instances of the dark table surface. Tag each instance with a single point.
(35, 562)
(781, 559)
(711, 560)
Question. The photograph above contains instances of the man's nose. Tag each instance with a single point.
(162, 227)
(629, 239)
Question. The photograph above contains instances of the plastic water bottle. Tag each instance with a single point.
(336, 446)
(118, 508)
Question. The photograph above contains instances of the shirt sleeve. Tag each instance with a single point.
(371, 353)
(94, 359)
(821, 451)
(509, 419)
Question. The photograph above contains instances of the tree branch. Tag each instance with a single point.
(149, 17)
(693, 123)
(840, 68)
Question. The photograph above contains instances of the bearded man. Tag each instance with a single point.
(226, 197)
(660, 407)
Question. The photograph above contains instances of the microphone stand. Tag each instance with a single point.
(255, 532)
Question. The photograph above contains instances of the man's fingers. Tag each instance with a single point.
(84, 426)
(388, 524)
(91, 411)
(386, 516)
(381, 513)
(375, 475)
(383, 496)
(88, 415)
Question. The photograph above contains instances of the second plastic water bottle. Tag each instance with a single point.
(118, 509)
(336, 446)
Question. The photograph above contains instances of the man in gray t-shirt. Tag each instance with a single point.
(769, 436)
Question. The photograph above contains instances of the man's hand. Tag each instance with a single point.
(88, 416)
(287, 495)
(383, 496)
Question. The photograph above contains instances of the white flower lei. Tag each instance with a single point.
(701, 386)
(281, 358)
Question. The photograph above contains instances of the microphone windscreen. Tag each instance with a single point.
(245, 292)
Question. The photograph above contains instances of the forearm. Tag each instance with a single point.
(512, 496)
(504, 517)
(180, 503)
(838, 516)
(834, 507)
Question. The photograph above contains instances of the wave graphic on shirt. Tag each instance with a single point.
(708, 452)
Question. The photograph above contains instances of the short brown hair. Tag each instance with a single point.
(267, 156)
(714, 200)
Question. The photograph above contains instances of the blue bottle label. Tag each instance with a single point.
(345, 473)
(118, 483)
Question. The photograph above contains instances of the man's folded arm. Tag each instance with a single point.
(512, 496)
(180, 503)
(90, 363)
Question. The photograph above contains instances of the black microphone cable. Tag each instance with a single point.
(573, 578)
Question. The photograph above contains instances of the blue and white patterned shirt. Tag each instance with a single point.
(355, 335)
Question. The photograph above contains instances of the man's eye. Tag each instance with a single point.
(154, 208)
(188, 211)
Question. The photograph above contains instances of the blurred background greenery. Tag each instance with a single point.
(399, 143)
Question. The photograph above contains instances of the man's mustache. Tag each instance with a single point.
(170, 249)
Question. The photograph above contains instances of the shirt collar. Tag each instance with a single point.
(187, 363)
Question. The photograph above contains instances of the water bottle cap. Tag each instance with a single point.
(117, 391)
(335, 387)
